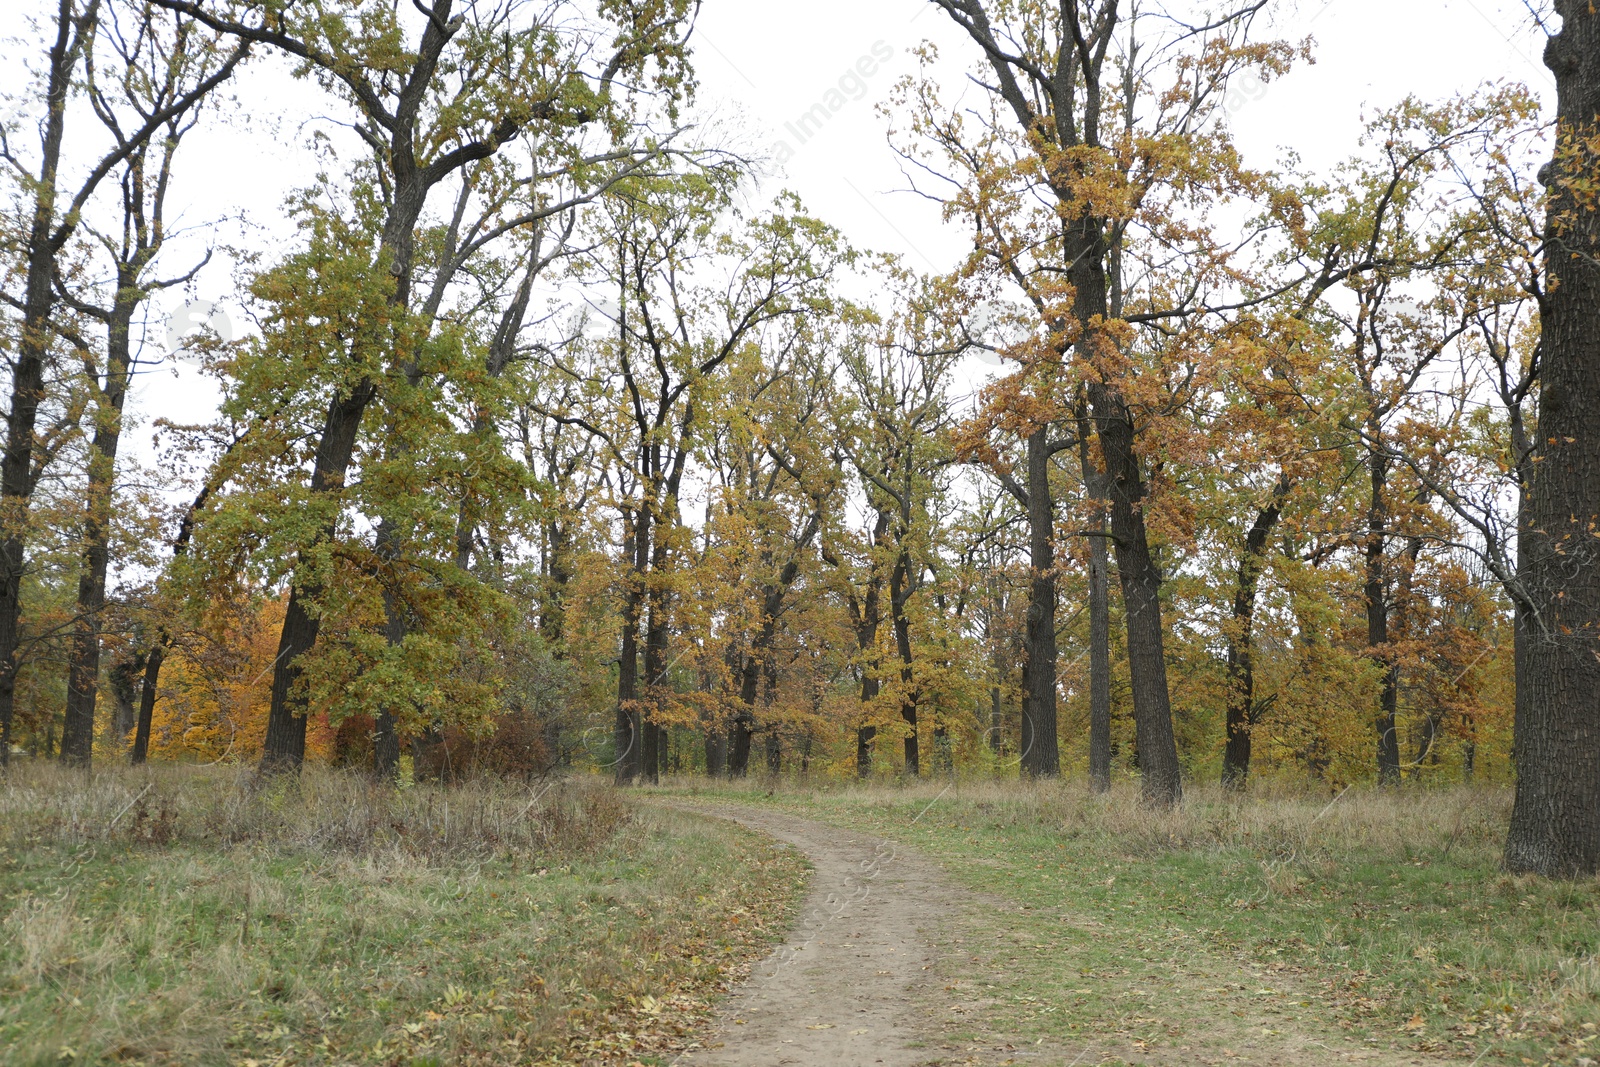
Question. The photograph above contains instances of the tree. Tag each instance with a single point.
(54, 216)
(1555, 822)
(1063, 180)
(520, 75)
(155, 61)
(894, 425)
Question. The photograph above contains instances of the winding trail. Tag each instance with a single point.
(846, 989)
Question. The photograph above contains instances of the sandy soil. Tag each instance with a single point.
(846, 988)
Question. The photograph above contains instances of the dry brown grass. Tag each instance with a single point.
(192, 915)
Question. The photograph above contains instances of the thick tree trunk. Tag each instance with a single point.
(1555, 821)
(1041, 755)
(865, 736)
(900, 589)
(147, 703)
(1156, 747)
(740, 731)
(125, 695)
(1099, 659)
(1377, 598)
(1241, 642)
(649, 758)
(285, 747)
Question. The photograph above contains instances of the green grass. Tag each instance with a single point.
(1383, 917)
(180, 917)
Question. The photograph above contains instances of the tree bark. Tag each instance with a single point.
(1377, 600)
(1555, 821)
(901, 586)
(627, 737)
(1041, 755)
(1156, 747)
(1099, 659)
(147, 703)
(17, 476)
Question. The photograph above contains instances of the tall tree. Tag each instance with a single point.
(152, 60)
(521, 73)
(54, 216)
(1087, 118)
(1555, 822)
(895, 426)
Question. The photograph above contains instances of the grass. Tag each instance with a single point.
(179, 916)
(1381, 915)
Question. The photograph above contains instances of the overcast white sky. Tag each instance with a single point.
(763, 64)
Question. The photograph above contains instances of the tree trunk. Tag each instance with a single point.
(285, 747)
(1155, 746)
(1041, 756)
(1241, 642)
(627, 734)
(125, 695)
(17, 476)
(83, 667)
(1377, 599)
(867, 620)
(996, 716)
(865, 736)
(1555, 821)
(740, 730)
(900, 590)
(147, 703)
(1099, 659)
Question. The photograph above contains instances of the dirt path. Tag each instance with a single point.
(881, 970)
(846, 989)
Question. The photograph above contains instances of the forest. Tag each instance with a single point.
(560, 446)
(545, 445)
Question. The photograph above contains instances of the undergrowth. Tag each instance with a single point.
(195, 916)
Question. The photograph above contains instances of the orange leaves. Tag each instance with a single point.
(216, 687)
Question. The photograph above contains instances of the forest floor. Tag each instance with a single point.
(195, 916)
(988, 924)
